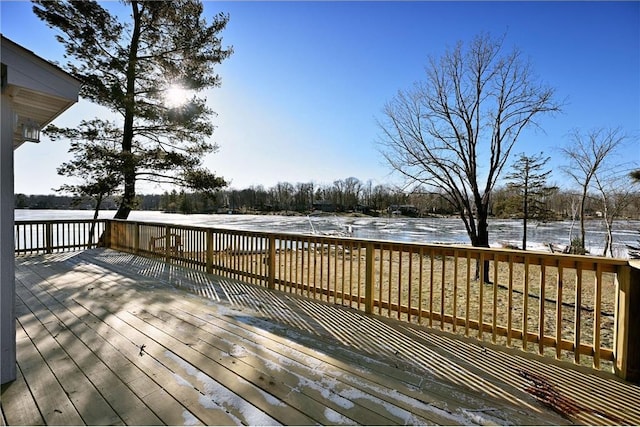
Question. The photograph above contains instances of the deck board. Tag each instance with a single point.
(128, 355)
(121, 339)
(99, 358)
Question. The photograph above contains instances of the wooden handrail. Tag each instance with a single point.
(568, 306)
(57, 235)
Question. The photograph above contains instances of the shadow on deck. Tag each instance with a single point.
(110, 338)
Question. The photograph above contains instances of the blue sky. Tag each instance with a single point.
(301, 94)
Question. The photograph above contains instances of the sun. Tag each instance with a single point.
(175, 96)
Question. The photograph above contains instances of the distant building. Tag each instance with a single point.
(405, 210)
(324, 206)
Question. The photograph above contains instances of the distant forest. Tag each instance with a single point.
(342, 196)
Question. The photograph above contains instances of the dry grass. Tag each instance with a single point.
(429, 286)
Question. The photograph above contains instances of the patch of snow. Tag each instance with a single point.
(189, 419)
(215, 395)
(273, 366)
(225, 310)
(482, 417)
(181, 381)
(207, 402)
(337, 418)
(325, 387)
(399, 412)
(271, 400)
(227, 399)
(238, 351)
(190, 369)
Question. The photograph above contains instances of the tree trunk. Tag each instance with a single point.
(481, 240)
(129, 172)
(608, 241)
(583, 233)
(95, 217)
(524, 220)
(525, 206)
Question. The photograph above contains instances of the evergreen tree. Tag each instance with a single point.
(150, 71)
(530, 183)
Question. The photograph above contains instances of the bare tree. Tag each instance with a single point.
(454, 131)
(615, 196)
(586, 156)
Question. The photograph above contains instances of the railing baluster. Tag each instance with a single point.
(344, 260)
(308, 254)
(399, 282)
(468, 297)
(597, 313)
(455, 290)
(481, 273)
(559, 283)
(525, 304)
(420, 277)
(369, 273)
(510, 301)
(443, 281)
(494, 326)
(335, 273)
(272, 262)
(577, 339)
(410, 285)
(431, 272)
(541, 317)
(48, 238)
(381, 278)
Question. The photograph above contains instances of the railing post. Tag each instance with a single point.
(48, 237)
(368, 279)
(136, 237)
(271, 272)
(106, 235)
(627, 337)
(209, 251)
(167, 243)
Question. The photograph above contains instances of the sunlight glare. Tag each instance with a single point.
(176, 96)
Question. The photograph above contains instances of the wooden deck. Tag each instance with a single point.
(110, 338)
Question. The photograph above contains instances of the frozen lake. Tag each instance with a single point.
(422, 230)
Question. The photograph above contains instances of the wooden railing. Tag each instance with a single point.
(57, 235)
(578, 307)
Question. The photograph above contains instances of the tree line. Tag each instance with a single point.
(341, 196)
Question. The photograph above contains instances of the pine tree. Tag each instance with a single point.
(139, 69)
(530, 183)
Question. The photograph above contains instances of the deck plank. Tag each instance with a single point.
(298, 390)
(377, 404)
(420, 396)
(19, 406)
(127, 405)
(87, 400)
(232, 377)
(360, 382)
(124, 339)
(361, 379)
(243, 354)
(54, 405)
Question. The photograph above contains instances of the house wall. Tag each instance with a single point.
(32, 88)
(7, 265)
